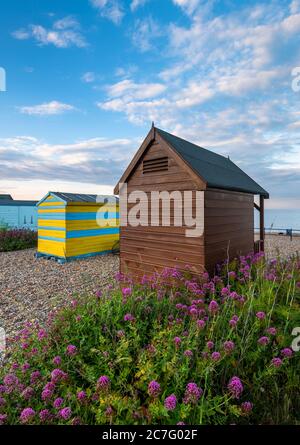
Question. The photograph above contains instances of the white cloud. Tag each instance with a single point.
(189, 6)
(63, 34)
(135, 4)
(136, 91)
(109, 9)
(145, 31)
(21, 34)
(88, 77)
(194, 94)
(47, 109)
(81, 166)
(66, 22)
(295, 6)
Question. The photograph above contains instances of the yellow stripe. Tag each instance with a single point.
(51, 210)
(86, 224)
(73, 247)
(96, 247)
(53, 233)
(91, 208)
(91, 240)
(52, 247)
(52, 223)
(87, 204)
(49, 204)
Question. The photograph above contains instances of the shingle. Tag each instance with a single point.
(81, 197)
(218, 171)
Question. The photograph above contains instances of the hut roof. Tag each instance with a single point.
(215, 170)
(6, 197)
(80, 197)
(16, 203)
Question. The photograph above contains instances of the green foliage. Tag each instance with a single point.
(16, 239)
(128, 332)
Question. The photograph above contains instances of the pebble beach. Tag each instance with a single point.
(31, 288)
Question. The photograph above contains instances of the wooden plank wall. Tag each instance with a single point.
(229, 225)
(144, 250)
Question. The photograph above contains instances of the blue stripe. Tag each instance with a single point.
(51, 228)
(72, 258)
(52, 238)
(92, 232)
(51, 207)
(90, 216)
(55, 216)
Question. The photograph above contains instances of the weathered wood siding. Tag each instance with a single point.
(144, 250)
(229, 225)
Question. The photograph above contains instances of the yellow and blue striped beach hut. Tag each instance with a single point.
(73, 226)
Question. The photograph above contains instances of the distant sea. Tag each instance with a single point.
(280, 219)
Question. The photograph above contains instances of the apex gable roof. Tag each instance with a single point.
(216, 170)
(80, 197)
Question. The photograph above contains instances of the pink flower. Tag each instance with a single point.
(81, 396)
(42, 334)
(286, 352)
(215, 356)
(233, 323)
(27, 415)
(192, 393)
(57, 375)
(129, 317)
(103, 382)
(126, 291)
(210, 344)
(188, 353)
(200, 324)
(263, 341)
(11, 380)
(27, 393)
(58, 402)
(35, 376)
(65, 413)
(213, 307)
(3, 419)
(98, 294)
(154, 388)
(170, 402)
(57, 360)
(260, 315)
(271, 331)
(246, 407)
(277, 362)
(228, 346)
(235, 387)
(45, 415)
(71, 350)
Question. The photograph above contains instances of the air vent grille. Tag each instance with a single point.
(155, 165)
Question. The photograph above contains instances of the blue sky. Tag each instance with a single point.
(85, 79)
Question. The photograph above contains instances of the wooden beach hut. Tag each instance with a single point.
(165, 162)
(17, 214)
(73, 226)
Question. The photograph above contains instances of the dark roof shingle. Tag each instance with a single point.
(81, 197)
(218, 171)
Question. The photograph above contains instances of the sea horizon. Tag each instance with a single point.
(280, 219)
